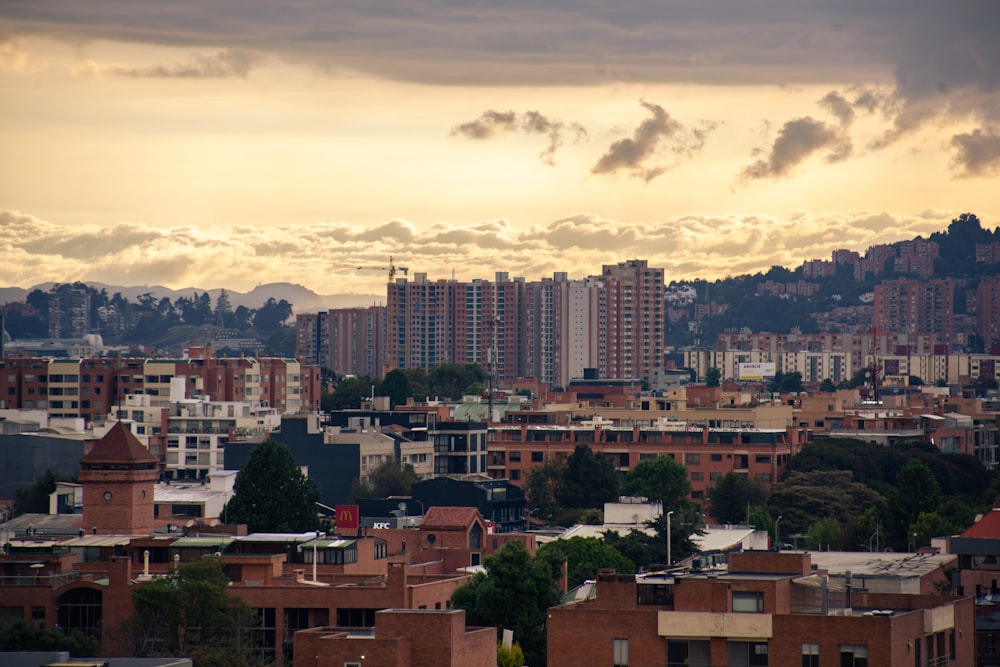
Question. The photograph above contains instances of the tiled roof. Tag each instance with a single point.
(118, 446)
(988, 526)
(449, 517)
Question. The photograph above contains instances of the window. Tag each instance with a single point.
(697, 476)
(513, 456)
(684, 653)
(692, 459)
(810, 655)
(747, 654)
(762, 458)
(748, 602)
(620, 651)
(515, 475)
(716, 457)
(537, 457)
(853, 656)
(715, 476)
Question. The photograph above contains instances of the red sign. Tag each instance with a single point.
(348, 517)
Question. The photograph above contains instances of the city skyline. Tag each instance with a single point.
(241, 145)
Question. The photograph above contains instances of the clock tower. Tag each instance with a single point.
(118, 477)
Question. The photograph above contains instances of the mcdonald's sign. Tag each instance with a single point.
(348, 517)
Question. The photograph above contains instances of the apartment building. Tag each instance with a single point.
(348, 341)
(766, 608)
(708, 453)
(91, 388)
(912, 306)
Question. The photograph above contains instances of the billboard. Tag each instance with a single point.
(760, 371)
(347, 517)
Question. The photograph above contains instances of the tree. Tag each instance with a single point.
(510, 657)
(660, 480)
(20, 635)
(917, 492)
(732, 496)
(590, 480)
(712, 377)
(223, 310)
(271, 316)
(514, 592)
(35, 500)
(646, 550)
(189, 613)
(395, 385)
(540, 487)
(348, 394)
(451, 380)
(827, 386)
(418, 382)
(271, 495)
(823, 533)
(584, 556)
(389, 478)
(806, 497)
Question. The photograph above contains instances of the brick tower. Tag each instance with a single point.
(118, 476)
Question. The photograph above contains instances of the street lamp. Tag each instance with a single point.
(777, 535)
(670, 560)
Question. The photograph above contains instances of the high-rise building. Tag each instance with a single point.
(910, 306)
(988, 312)
(69, 312)
(634, 321)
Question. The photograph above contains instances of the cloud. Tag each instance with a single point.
(798, 140)
(494, 123)
(222, 65)
(325, 256)
(640, 156)
(977, 153)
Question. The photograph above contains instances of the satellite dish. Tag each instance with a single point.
(189, 523)
(402, 507)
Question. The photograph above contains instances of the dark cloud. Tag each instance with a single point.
(324, 256)
(838, 105)
(798, 140)
(494, 123)
(222, 65)
(489, 124)
(977, 153)
(640, 156)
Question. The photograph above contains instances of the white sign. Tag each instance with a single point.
(380, 524)
(759, 371)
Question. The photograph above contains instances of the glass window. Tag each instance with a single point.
(692, 459)
(853, 656)
(751, 602)
(810, 655)
(747, 654)
(620, 650)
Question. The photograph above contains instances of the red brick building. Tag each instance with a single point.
(401, 638)
(768, 609)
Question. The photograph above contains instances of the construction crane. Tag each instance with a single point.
(392, 269)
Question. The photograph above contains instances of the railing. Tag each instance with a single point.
(52, 581)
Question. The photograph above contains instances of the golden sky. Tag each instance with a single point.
(230, 143)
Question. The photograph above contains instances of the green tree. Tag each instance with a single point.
(271, 495)
(731, 497)
(928, 526)
(189, 613)
(389, 478)
(510, 657)
(646, 550)
(19, 635)
(540, 487)
(348, 394)
(35, 499)
(806, 497)
(584, 556)
(271, 316)
(713, 376)
(917, 492)
(823, 533)
(662, 480)
(418, 382)
(451, 380)
(395, 385)
(515, 592)
(590, 480)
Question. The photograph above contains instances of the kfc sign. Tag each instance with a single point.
(381, 524)
(347, 517)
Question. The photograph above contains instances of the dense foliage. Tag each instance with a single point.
(584, 556)
(515, 592)
(20, 635)
(271, 495)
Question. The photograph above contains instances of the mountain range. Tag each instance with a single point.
(303, 299)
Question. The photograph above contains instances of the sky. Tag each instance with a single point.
(231, 143)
